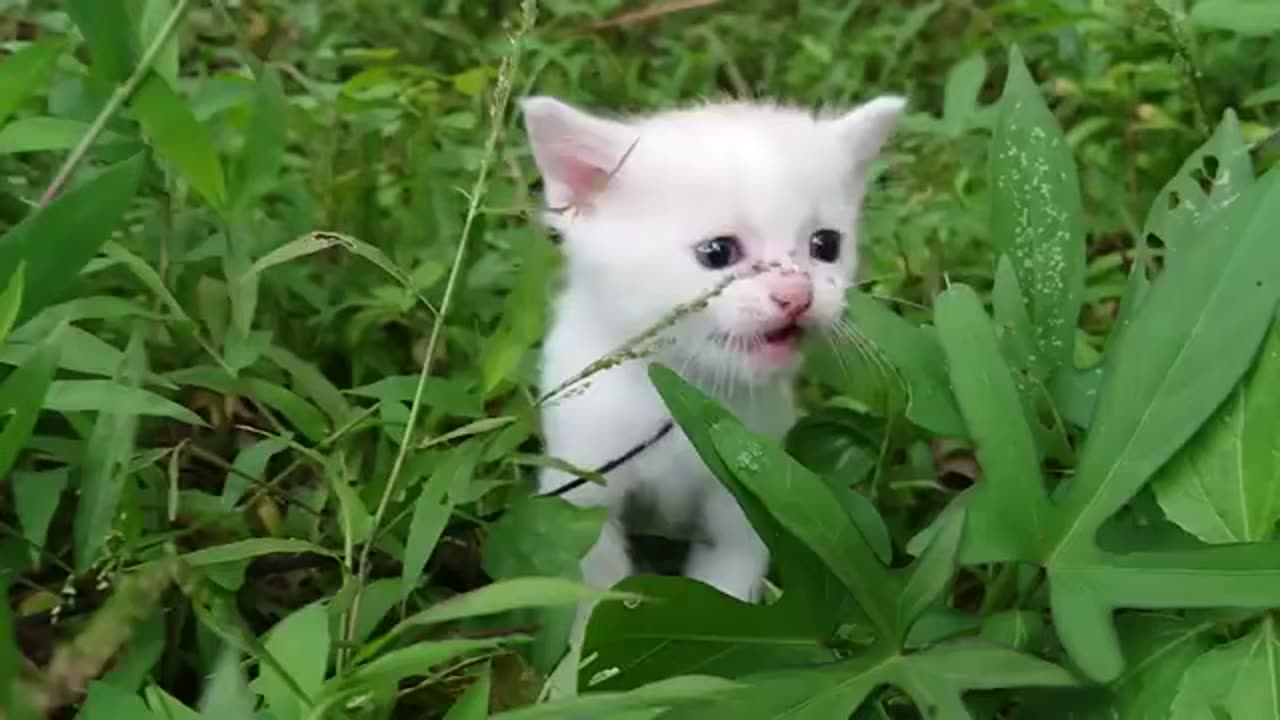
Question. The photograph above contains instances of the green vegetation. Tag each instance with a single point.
(271, 292)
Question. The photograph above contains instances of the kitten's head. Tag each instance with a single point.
(657, 210)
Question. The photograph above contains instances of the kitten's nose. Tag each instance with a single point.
(792, 293)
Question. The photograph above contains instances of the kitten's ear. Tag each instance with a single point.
(865, 129)
(575, 151)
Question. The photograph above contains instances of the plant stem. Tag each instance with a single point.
(114, 103)
(497, 113)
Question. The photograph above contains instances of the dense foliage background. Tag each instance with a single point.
(274, 297)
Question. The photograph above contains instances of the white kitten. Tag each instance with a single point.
(767, 193)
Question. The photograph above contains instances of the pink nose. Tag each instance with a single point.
(792, 293)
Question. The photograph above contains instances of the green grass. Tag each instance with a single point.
(276, 289)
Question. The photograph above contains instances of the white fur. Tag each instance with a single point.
(769, 175)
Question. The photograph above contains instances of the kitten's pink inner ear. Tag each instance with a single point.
(575, 151)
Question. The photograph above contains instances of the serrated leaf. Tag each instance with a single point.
(1241, 679)
(1224, 485)
(1037, 218)
(26, 70)
(58, 240)
(1183, 207)
(180, 139)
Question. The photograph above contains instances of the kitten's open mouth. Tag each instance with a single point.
(783, 335)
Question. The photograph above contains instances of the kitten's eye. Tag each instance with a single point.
(824, 245)
(718, 252)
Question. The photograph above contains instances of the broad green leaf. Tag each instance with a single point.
(809, 586)
(1009, 512)
(108, 702)
(897, 352)
(684, 626)
(432, 509)
(22, 394)
(541, 536)
(1159, 649)
(1036, 215)
(1021, 630)
(1240, 680)
(1248, 17)
(811, 512)
(300, 644)
(813, 693)
(180, 139)
(109, 34)
(41, 134)
(960, 95)
(1196, 333)
(57, 241)
(523, 319)
(11, 303)
(227, 696)
(1224, 485)
(474, 703)
(105, 469)
(24, 71)
(166, 706)
(259, 161)
(152, 20)
(112, 396)
(928, 577)
(594, 706)
(249, 549)
(1086, 590)
(1183, 207)
(36, 495)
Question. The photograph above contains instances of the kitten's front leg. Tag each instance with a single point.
(733, 560)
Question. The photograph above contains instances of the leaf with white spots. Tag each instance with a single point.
(1210, 179)
(1036, 214)
(1224, 486)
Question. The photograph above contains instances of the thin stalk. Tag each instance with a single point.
(114, 103)
(497, 113)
